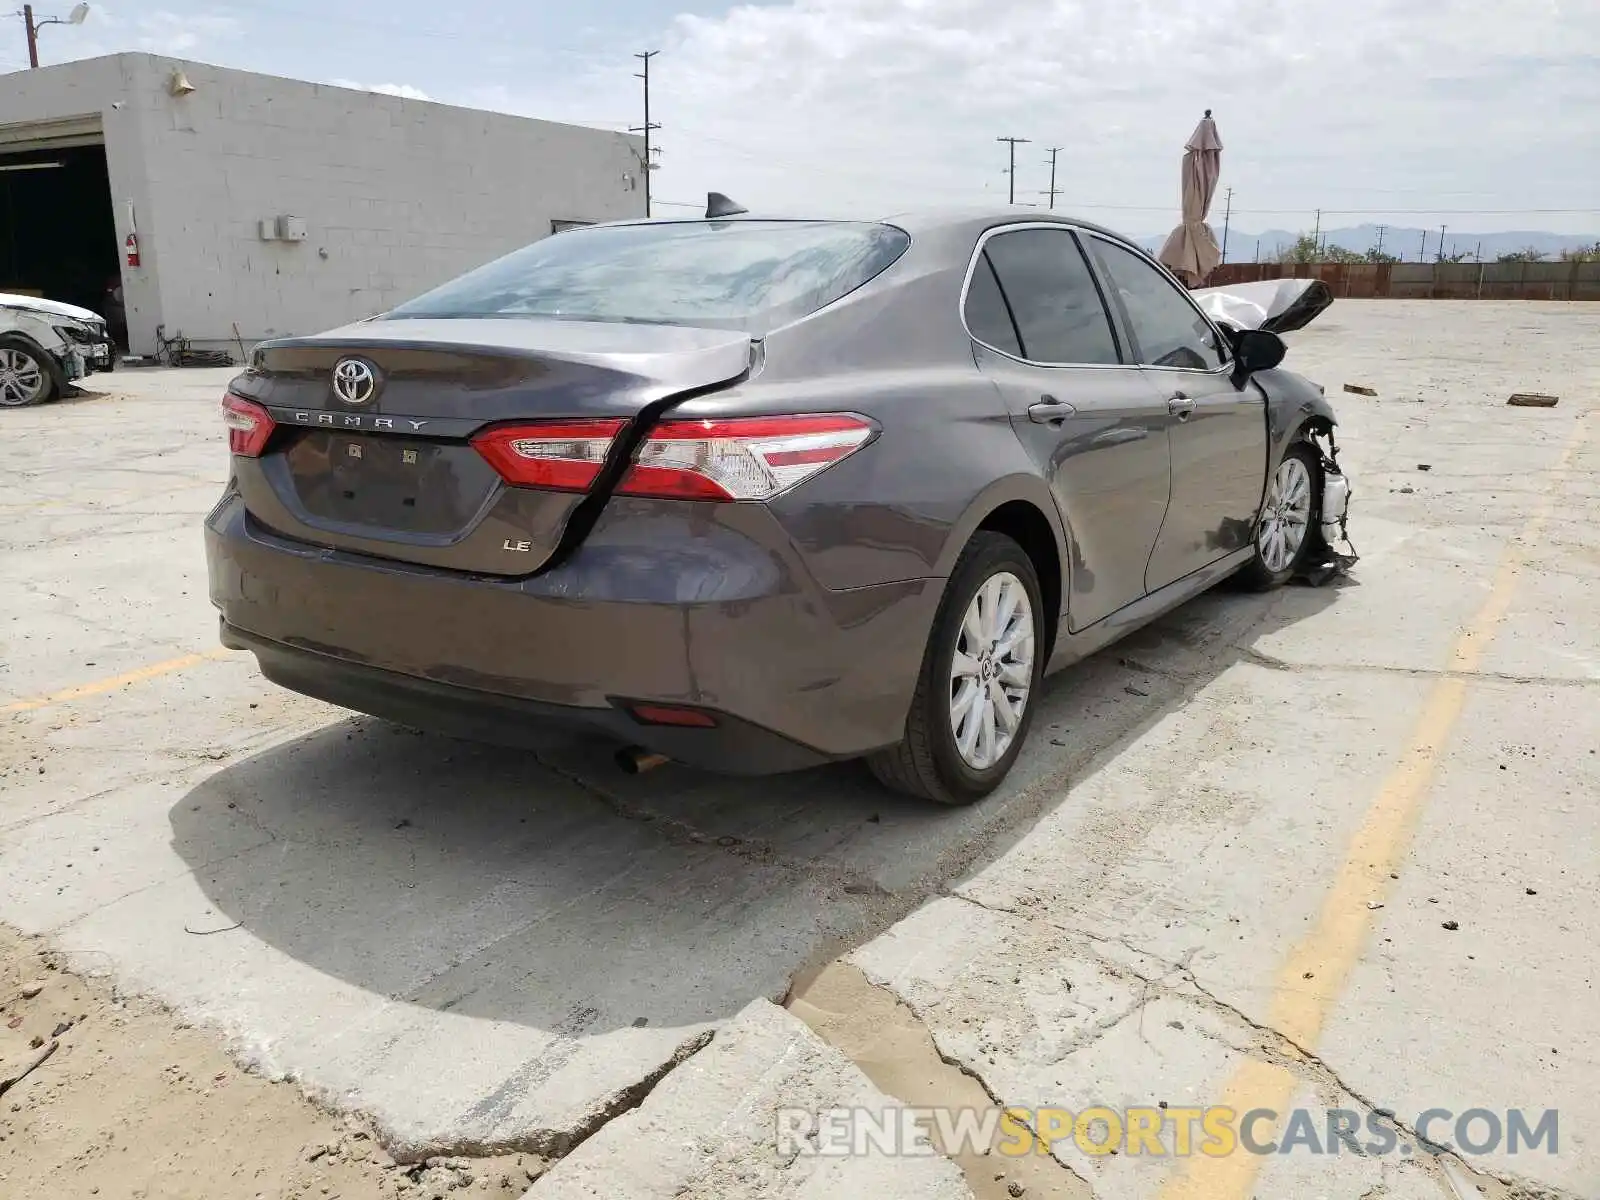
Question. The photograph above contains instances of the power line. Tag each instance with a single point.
(1011, 171)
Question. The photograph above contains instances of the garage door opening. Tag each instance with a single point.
(58, 235)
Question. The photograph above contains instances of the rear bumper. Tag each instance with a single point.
(663, 603)
(734, 746)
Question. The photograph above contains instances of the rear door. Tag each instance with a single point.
(1218, 432)
(1088, 418)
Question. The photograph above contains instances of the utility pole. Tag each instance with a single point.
(1054, 150)
(1227, 217)
(649, 163)
(1258, 249)
(1381, 228)
(76, 17)
(1316, 232)
(1011, 197)
(1441, 243)
(1422, 255)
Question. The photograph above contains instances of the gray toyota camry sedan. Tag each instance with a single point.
(759, 494)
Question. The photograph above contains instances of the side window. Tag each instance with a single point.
(1169, 329)
(1053, 297)
(988, 318)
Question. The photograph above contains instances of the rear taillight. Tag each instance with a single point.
(741, 458)
(249, 425)
(560, 455)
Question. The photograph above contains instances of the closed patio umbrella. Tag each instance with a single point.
(1191, 249)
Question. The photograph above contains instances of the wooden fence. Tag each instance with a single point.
(1431, 281)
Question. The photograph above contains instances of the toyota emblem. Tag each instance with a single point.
(354, 381)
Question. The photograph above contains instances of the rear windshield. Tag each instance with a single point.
(748, 275)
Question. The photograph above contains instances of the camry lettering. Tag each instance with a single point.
(519, 547)
(351, 421)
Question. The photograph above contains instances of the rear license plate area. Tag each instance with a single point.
(399, 484)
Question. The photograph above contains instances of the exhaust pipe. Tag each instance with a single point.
(636, 760)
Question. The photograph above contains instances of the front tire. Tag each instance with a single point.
(1286, 530)
(979, 681)
(27, 376)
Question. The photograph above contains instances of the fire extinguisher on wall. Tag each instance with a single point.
(132, 247)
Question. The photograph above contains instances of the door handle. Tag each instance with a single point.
(1049, 411)
(1180, 406)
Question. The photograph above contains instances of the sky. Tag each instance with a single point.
(1476, 113)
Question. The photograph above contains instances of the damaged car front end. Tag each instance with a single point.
(1282, 306)
(46, 346)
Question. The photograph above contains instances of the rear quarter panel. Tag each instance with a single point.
(945, 454)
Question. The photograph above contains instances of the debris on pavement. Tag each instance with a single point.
(1532, 400)
(1452, 925)
(15, 1073)
(1360, 389)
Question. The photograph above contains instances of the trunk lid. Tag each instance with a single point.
(379, 461)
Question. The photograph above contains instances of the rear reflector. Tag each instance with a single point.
(667, 714)
(742, 458)
(249, 425)
(563, 456)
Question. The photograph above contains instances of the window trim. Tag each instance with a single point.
(1172, 282)
(1113, 321)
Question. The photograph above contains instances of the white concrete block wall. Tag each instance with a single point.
(397, 195)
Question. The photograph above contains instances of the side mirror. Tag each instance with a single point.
(1256, 350)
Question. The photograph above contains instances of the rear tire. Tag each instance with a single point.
(1286, 529)
(979, 681)
(27, 374)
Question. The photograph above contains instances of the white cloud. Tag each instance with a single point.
(180, 35)
(874, 105)
(404, 90)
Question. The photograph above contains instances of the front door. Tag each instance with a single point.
(1217, 432)
(1081, 407)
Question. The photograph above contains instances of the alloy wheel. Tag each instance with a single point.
(22, 378)
(1286, 515)
(991, 672)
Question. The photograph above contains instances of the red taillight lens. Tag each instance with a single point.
(563, 456)
(671, 714)
(742, 458)
(249, 425)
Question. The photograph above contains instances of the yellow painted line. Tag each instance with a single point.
(113, 682)
(1328, 954)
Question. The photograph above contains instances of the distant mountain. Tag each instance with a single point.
(1405, 242)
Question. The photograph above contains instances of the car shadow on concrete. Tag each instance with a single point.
(550, 889)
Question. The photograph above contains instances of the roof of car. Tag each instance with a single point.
(918, 222)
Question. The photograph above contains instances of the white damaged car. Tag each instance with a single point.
(45, 346)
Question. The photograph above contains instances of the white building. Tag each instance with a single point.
(263, 206)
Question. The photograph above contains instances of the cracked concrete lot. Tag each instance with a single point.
(1329, 848)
